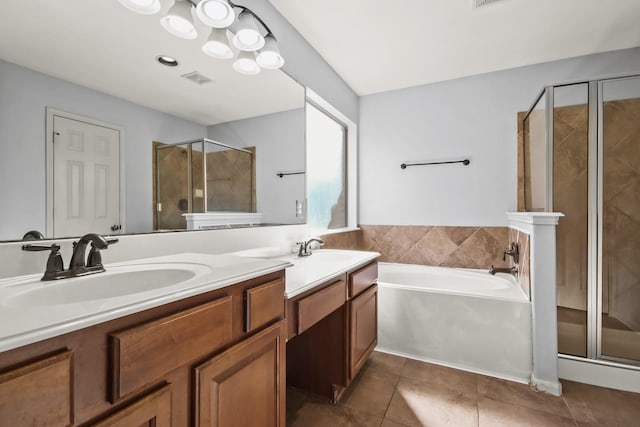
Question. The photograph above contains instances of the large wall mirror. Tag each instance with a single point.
(81, 76)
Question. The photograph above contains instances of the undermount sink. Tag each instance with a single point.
(115, 282)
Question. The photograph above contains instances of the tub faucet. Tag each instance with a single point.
(513, 251)
(511, 270)
(304, 249)
(77, 266)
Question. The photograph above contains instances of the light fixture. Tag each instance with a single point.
(146, 7)
(245, 63)
(179, 21)
(215, 13)
(269, 56)
(256, 43)
(167, 60)
(247, 37)
(217, 45)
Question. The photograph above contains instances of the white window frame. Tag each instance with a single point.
(352, 162)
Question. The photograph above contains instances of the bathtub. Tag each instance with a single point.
(466, 319)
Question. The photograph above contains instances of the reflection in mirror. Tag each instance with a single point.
(201, 176)
(97, 65)
(535, 157)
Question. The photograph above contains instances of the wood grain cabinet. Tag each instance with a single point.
(245, 385)
(38, 393)
(363, 325)
(332, 330)
(153, 410)
(213, 359)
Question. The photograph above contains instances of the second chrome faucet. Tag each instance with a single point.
(304, 249)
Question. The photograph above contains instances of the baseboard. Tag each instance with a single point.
(552, 387)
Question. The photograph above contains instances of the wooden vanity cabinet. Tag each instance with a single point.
(363, 316)
(332, 330)
(363, 329)
(153, 410)
(143, 369)
(38, 393)
(245, 385)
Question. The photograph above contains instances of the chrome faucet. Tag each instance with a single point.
(93, 264)
(304, 249)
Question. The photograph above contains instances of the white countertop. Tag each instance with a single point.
(25, 324)
(322, 265)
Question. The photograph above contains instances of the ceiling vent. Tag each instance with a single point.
(480, 3)
(197, 78)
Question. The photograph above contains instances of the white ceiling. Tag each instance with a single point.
(104, 46)
(377, 45)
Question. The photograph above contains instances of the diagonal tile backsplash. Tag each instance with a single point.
(461, 247)
(469, 247)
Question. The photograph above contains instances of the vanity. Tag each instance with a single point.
(208, 348)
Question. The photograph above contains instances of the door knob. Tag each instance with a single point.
(116, 227)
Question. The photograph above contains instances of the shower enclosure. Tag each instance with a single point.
(579, 154)
(201, 176)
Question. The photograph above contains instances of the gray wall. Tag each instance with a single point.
(473, 117)
(279, 141)
(24, 95)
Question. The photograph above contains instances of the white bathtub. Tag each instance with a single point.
(466, 319)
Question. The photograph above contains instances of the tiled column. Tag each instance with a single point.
(541, 227)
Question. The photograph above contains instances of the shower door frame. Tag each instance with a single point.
(599, 182)
(595, 201)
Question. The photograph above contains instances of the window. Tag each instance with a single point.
(326, 170)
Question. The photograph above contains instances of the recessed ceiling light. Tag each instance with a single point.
(167, 60)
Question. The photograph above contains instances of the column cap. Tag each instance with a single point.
(535, 218)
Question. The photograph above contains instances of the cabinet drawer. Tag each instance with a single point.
(317, 306)
(152, 410)
(145, 353)
(263, 304)
(39, 393)
(362, 279)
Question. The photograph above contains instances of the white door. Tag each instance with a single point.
(86, 176)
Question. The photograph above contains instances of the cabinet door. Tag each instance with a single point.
(39, 393)
(245, 385)
(363, 319)
(153, 410)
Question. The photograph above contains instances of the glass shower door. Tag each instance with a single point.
(173, 180)
(619, 201)
(570, 151)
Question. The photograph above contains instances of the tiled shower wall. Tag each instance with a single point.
(463, 247)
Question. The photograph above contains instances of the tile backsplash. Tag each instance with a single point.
(469, 247)
(462, 247)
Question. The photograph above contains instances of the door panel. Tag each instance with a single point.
(620, 308)
(86, 174)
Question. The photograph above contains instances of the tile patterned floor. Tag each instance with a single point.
(392, 391)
